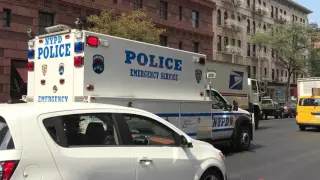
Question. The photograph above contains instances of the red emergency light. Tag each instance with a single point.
(92, 41)
(78, 61)
(61, 81)
(43, 82)
(90, 87)
(30, 66)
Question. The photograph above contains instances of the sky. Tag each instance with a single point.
(313, 5)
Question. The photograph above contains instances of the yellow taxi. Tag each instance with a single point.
(308, 112)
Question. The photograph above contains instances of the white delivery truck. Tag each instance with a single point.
(305, 85)
(70, 65)
(233, 83)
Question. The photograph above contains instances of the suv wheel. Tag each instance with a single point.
(211, 175)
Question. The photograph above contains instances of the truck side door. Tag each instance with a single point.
(223, 121)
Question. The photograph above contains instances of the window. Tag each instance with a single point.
(272, 75)
(266, 102)
(271, 11)
(226, 41)
(6, 141)
(195, 19)
(6, 18)
(163, 40)
(96, 129)
(196, 47)
(163, 10)
(277, 71)
(281, 73)
(219, 45)
(248, 26)
(265, 49)
(254, 50)
(233, 42)
(249, 71)
(225, 15)
(309, 102)
(239, 18)
(137, 5)
(277, 13)
(180, 45)
(264, 4)
(264, 27)
(217, 101)
(254, 27)
(239, 43)
(265, 71)
(248, 2)
(45, 20)
(248, 49)
(219, 17)
(254, 86)
(254, 70)
(180, 12)
(148, 132)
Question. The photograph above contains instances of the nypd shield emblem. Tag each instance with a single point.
(61, 68)
(198, 75)
(44, 69)
(98, 64)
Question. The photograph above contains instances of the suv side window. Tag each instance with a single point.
(148, 132)
(96, 129)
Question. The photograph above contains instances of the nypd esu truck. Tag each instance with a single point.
(71, 65)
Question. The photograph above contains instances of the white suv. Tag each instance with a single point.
(81, 141)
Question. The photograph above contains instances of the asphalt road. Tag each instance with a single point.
(279, 152)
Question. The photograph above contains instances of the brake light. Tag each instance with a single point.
(92, 41)
(30, 66)
(286, 107)
(78, 61)
(6, 169)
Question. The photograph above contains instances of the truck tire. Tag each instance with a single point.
(243, 139)
(302, 128)
(276, 117)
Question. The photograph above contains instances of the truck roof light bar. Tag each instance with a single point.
(57, 28)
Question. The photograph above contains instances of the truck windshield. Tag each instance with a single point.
(6, 141)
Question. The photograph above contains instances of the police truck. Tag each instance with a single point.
(72, 65)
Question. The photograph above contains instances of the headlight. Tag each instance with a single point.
(222, 156)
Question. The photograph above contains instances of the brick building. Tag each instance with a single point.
(188, 24)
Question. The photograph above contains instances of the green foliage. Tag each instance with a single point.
(135, 26)
(291, 44)
(314, 57)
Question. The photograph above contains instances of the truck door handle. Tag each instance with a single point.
(145, 161)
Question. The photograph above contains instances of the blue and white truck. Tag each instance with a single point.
(72, 65)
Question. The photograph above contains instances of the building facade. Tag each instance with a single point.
(237, 20)
(188, 23)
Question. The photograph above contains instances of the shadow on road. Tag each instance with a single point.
(263, 128)
(227, 151)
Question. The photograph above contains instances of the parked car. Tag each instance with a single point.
(290, 110)
(73, 141)
(271, 108)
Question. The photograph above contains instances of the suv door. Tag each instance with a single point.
(157, 148)
(87, 144)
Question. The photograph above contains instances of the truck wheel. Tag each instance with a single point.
(242, 139)
(276, 117)
(302, 128)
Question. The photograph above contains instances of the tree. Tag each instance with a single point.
(314, 55)
(290, 44)
(135, 26)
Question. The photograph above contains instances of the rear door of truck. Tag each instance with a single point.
(51, 67)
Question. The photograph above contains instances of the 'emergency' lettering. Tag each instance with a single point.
(53, 98)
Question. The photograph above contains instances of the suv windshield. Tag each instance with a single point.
(6, 141)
